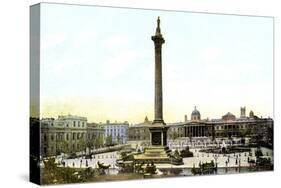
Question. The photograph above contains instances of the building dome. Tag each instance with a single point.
(195, 115)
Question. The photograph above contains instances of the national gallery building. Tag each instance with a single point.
(229, 126)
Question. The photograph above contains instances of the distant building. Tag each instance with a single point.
(67, 134)
(258, 129)
(251, 126)
(95, 135)
(139, 133)
(228, 126)
(117, 131)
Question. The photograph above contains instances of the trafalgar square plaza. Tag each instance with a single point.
(75, 148)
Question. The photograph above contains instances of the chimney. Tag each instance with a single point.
(243, 112)
(185, 118)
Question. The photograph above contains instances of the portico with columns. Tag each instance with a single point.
(195, 130)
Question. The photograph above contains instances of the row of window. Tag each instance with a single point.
(78, 123)
(228, 134)
(93, 136)
(116, 127)
(115, 135)
(225, 127)
(60, 137)
(140, 131)
(121, 133)
(195, 118)
(176, 129)
(115, 130)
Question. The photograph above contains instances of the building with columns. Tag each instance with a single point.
(196, 127)
(228, 126)
(63, 135)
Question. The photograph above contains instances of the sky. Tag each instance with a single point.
(98, 62)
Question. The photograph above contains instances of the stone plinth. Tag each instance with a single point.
(158, 135)
(157, 154)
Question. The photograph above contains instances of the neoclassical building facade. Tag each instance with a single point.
(228, 126)
(66, 134)
(138, 134)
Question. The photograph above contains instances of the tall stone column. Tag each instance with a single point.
(158, 100)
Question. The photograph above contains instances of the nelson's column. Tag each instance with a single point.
(158, 130)
(158, 100)
(158, 151)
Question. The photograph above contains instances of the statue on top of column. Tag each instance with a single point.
(158, 31)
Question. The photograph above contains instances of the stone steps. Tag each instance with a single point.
(157, 154)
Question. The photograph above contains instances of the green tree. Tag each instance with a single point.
(62, 147)
(90, 143)
(98, 142)
(82, 144)
(58, 175)
(109, 140)
(119, 139)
